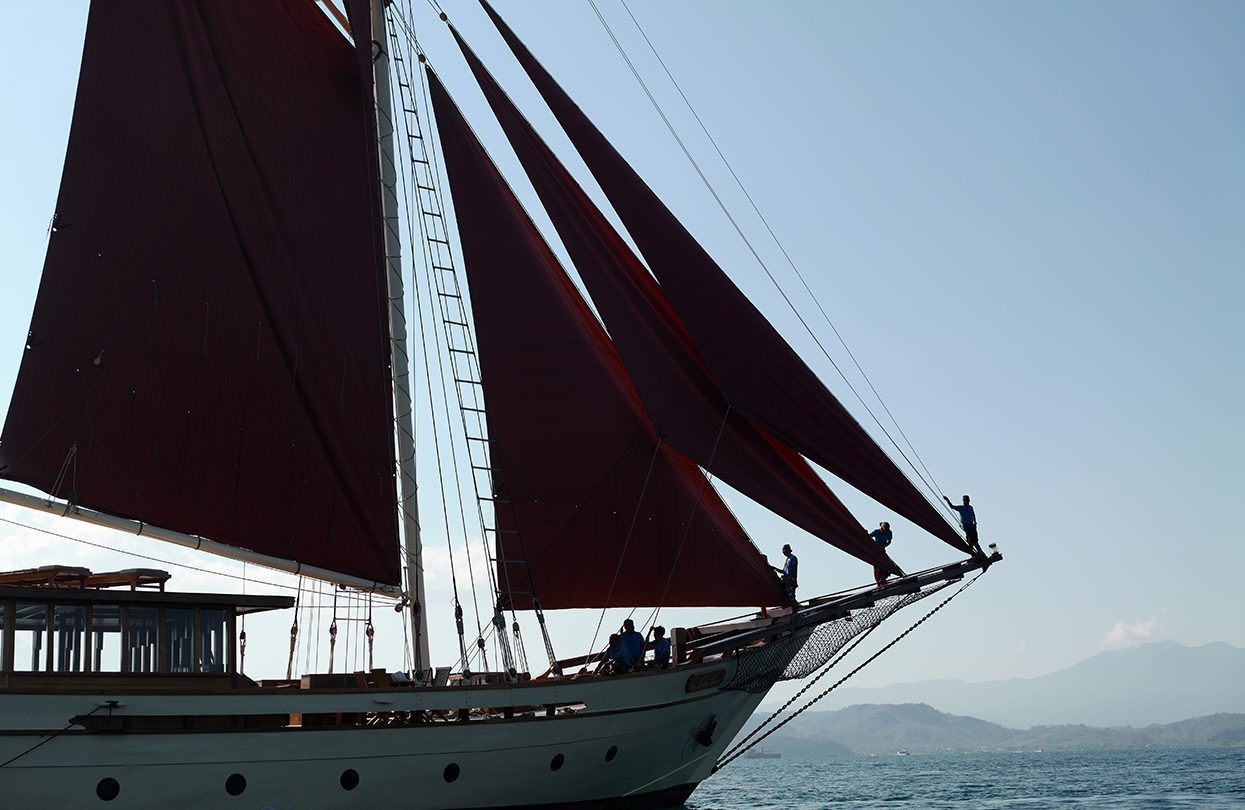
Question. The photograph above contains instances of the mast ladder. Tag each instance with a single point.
(463, 358)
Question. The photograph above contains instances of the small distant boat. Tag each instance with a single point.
(761, 753)
(902, 752)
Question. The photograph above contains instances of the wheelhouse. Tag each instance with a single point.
(68, 626)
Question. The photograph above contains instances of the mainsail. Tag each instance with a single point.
(683, 400)
(209, 352)
(760, 374)
(593, 509)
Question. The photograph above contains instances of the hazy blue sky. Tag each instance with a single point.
(1027, 219)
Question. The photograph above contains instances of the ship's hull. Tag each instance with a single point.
(642, 740)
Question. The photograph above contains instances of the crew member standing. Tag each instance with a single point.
(968, 519)
(882, 536)
(790, 572)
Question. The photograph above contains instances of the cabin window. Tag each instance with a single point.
(68, 637)
(179, 640)
(106, 638)
(30, 647)
(144, 638)
(213, 632)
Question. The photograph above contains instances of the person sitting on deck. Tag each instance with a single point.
(632, 645)
(612, 659)
(882, 536)
(661, 648)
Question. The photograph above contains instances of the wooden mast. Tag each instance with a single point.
(403, 422)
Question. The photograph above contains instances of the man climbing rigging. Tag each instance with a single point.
(968, 519)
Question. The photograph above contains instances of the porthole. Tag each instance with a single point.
(235, 784)
(451, 772)
(557, 762)
(610, 754)
(108, 789)
(350, 779)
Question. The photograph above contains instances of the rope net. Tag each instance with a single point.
(806, 651)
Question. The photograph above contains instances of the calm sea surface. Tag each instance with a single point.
(1205, 778)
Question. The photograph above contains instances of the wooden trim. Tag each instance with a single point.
(241, 602)
(196, 640)
(337, 15)
(231, 643)
(88, 638)
(7, 637)
(47, 632)
(126, 664)
(91, 683)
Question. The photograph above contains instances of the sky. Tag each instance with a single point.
(1027, 220)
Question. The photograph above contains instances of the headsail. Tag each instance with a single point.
(759, 371)
(683, 400)
(592, 508)
(208, 352)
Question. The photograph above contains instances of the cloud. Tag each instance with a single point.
(1125, 634)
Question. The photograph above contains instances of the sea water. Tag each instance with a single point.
(1148, 778)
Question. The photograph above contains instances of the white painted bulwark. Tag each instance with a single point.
(635, 734)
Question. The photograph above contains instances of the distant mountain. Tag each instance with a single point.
(1154, 683)
(917, 728)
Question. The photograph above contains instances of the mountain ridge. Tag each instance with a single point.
(871, 729)
(1157, 683)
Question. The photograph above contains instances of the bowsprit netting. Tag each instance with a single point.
(805, 651)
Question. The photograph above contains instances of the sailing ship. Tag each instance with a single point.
(217, 358)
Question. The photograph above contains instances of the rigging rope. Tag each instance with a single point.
(242, 634)
(635, 516)
(755, 254)
(739, 749)
(434, 188)
(289, 667)
(687, 527)
(406, 83)
(435, 196)
(781, 247)
(371, 634)
(108, 704)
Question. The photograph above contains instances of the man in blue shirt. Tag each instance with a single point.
(612, 660)
(968, 519)
(631, 645)
(882, 536)
(790, 572)
(661, 647)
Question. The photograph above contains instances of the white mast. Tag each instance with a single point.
(397, 335)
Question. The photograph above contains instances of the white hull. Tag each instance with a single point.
(649, 718)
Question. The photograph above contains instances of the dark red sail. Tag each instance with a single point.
(593, 510)
(684, 402)
(757, 369)
(209, 350)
